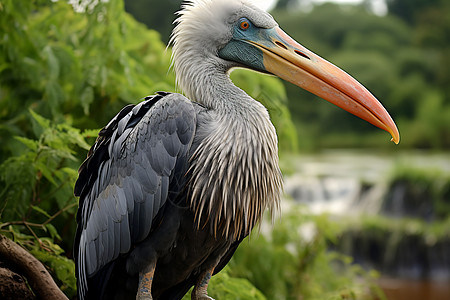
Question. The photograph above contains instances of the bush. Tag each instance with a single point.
(292, 260)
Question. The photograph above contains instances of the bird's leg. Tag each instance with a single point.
(145, 283)
(200, 291)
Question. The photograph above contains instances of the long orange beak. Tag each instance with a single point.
(284, 57)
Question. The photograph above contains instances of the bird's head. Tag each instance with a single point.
(224, 34)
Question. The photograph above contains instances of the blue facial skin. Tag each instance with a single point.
(240, 51)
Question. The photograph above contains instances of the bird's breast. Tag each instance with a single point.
(234, 177)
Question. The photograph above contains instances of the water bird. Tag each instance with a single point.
(173, 184)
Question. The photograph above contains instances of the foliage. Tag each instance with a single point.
(291, 260)
(59, 62)
(223, 286)
(409, 10)
(52, 67)
(396, 247)
(157, 15)
(401, 57)
(418, 192)
(382, 226)
(403, 64)
(57, 58)
(42, 174)
(48, 252)
(37, 195)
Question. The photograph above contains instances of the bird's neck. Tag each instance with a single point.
(211, 86)
(240, 152)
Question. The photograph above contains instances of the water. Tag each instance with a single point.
(331, 180)
(365, 164)
(336, 182)
(402, 289)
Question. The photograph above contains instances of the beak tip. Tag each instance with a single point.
(395, 138)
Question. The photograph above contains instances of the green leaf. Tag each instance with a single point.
(18, 235)
(54, 95)
(43, 122)
(46, 172)
(53, 232)
(52, 63)
(91, 133)
(61, 267)
(40, 210)
(73, 173)
(31, 144)
(87, 97)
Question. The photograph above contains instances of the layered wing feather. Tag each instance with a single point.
(127, 177)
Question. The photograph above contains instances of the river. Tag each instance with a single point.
(331, 181)
(402, 289)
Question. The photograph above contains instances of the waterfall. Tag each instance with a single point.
(405, 207)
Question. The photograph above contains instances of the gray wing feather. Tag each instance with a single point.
(91, 256)
(134, 182)
(125, 239)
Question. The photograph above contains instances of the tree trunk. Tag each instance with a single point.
(13, 286)
(25, 264)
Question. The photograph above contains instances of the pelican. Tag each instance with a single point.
(174, 184)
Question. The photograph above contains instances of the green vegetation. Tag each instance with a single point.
(424, 193)
(381, 228)
(57, 87)
(292, 259)
(402, 60)
(398, 247)
(224, 286)
(64, 75)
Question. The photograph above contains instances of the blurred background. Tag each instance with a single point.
(362, 218)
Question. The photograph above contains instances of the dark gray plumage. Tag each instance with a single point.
(122, 186)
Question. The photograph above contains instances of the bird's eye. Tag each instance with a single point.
(244, 24)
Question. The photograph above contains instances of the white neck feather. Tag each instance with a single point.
(235, 173)
(239, 154)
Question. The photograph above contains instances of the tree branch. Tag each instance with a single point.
(38, 277)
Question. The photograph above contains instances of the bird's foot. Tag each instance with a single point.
(202, 297)
(200, 291)
(144, 295)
